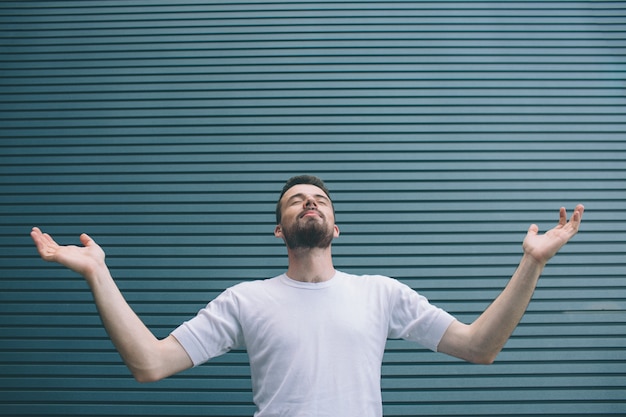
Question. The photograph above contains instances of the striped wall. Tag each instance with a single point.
(165, 129)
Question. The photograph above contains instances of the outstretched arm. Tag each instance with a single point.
(148, 358)
(481, 341)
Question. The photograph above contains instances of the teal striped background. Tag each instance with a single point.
(165, 129)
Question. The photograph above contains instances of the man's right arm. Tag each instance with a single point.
(148, 358)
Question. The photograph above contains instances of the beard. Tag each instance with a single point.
(308, 233)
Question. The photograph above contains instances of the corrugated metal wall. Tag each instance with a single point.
(165, 129)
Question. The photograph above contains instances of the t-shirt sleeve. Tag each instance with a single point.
(414, 318)
(214, 331)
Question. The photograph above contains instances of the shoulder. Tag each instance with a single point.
(251, 288)
(391, 289)
(374, 280)
(378, 283)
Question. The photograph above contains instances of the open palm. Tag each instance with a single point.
(543, 247)
(81, 259)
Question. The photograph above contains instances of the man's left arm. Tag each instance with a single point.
(481, 341)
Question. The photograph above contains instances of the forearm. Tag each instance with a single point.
(482, 340)
(133, 340)
(491, 330)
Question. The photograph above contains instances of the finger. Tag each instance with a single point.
(577, 216)
(45, 245)
(533, 229)
(86, 240)
(40, 239)
(47, 239)
(562, 216)
(580, 209)
(36, 235)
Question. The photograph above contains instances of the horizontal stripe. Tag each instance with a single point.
(165, 130)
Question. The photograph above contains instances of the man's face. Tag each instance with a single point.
(307, 218)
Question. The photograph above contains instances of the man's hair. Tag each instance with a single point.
(299, 179)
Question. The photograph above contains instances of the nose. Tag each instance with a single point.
(310, 202)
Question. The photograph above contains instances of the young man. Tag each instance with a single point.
(315, 336)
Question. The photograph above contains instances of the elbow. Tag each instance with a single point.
(480, 353)
(144, 376)
(158, 362)
(483, 359)
(483, 356)
(476, 356)
(484, 350)
(466, 343)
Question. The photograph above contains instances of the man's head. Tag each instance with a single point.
(305, 216)
(299, 179)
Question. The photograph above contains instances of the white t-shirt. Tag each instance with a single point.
(315, 349)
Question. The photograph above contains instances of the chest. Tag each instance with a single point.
(315, 320)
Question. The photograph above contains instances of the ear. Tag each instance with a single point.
(278, 231)
(336, 232)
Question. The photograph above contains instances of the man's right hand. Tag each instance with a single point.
(84, 260)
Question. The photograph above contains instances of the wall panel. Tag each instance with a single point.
(166, 129)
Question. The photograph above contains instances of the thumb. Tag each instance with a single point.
(86, 240)
(533, 229)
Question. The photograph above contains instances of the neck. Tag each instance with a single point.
(310, 265)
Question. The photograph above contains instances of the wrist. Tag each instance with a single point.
(96, 273)
(533, 261)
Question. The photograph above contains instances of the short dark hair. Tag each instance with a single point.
(300, 179)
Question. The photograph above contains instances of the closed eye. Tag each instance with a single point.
(299, 199)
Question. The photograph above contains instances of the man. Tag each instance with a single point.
(315, 336)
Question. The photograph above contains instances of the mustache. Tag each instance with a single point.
(304, 212)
